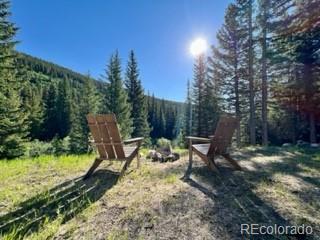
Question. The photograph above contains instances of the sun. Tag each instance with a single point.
(198, 47)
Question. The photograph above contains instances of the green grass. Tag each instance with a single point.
(47, 187)
(26, 184)
(171, 178)
(21, 177)
(117, 235)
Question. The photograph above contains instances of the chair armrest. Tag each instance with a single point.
(133, 140)
(199, 139)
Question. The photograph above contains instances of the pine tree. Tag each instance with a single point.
(152, 112)
(136, 98)
(79, 134)
(300, 46)
(50, 117)
(264, 23)
(116, 96)
(32, 103)
(294, 61)
(188, 112)
(171, 120)
(211, 109)
(12, 118)
(307, 53)
(226, 64)
(89, 102)
(200, 73)
(161, 120)
(63, 109)
(282, 70)
(246, 16)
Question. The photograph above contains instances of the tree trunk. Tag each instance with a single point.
(238, 137)
(294, 115)
(312, 128)
(252, 120)
(237, 102)
(310, 108)
(264, 80)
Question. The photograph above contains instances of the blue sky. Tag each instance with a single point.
(82, 34)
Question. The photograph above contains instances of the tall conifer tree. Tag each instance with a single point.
(200, 74)
(12, 118)
(33, 104)
(50, 117)
(116, 96)
(63, 108)
(188, 112)
(210, 107)
(136, 98)
(225, 65)
(246, 8)
(298, 46)
(89, 102)
(264, 24)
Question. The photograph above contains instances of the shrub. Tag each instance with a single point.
(163, 143)
(60, 146)
(56, 146)
(179, 142)
(37, 148)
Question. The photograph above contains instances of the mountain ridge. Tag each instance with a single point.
(55, 70)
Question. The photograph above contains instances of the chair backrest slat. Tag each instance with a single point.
(223, 134)
(95, 131)
(106, 140)
(106, 136)
(115, 134)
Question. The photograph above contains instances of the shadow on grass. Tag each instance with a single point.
(235, 201)
(294, 161)
(65, 200)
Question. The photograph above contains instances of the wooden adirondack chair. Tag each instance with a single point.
(214, 145)
(107, 140)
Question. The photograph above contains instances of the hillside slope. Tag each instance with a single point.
(51, 70)
(48, 87)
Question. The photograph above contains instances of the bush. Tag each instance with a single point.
(179, 142)
(56, 147)
(60, 146)
(147, 143)
(163, 143)
(37, 148)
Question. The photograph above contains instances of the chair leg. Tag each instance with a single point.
(125, 167)
(189, 169)
(232, 161)
(138, 160)
(212, 165)
(138, 156)
(96, 163)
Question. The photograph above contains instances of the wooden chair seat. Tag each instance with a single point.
(129, 151)
(201, 148)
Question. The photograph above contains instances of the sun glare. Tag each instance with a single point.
(198, 47)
